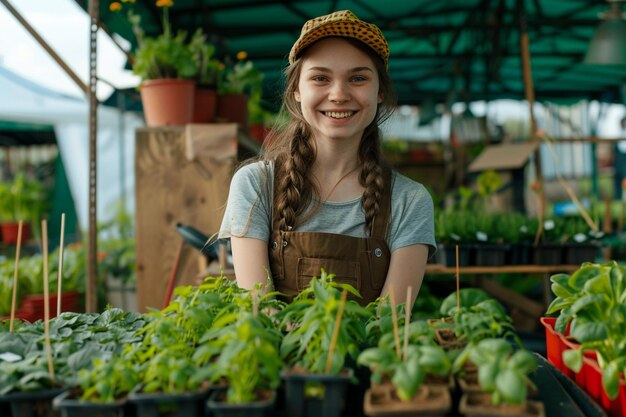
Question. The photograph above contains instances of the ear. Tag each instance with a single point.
(380, 97)
(296, 95)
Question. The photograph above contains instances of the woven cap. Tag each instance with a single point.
(345, 24)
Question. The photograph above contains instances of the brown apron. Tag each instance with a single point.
(296, 257)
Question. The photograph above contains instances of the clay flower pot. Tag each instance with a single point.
(167, 101)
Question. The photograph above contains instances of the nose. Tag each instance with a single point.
(339, 92)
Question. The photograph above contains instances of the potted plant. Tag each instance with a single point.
(235, 84)
(457, 228)
(402, 378)
(503, 380)
(166, 65)
(550, 250)
(20, 199)
(249, 363)
(205, 101)
(324, 330)
(580, 241)
(491, 249)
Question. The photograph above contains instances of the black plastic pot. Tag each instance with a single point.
(575, 254)
(548, 254)
(31, 404)
(220, 408)
(490, 254)
(466, 255)
(332, 389)
(158, 404)
(72, 407)
(520, 254)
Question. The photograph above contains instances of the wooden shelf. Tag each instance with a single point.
(505, 269)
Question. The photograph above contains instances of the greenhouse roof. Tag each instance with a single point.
(441, 51)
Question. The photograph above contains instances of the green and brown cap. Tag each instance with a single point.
(345, 24)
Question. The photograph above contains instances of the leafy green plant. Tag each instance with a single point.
(163, 56)
(593, 301)
(502, 372)
(240, 78)
(203, 53)
(311, 318)
(249, 359)
(22, 199)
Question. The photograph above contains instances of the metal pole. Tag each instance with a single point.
(47, 47)
(91, 300)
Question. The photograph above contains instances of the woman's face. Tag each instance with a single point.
(338, 90)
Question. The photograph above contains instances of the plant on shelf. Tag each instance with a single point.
(240, 78)
(20, 199)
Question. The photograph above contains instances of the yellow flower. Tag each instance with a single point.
(116, 6)
(241, 55)
(164, 3)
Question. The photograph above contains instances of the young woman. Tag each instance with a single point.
(321, 196)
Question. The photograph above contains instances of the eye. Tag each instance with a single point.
(358, 78)
(319, 78)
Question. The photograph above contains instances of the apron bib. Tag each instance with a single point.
(296, 257)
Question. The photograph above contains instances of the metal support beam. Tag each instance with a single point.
(91, 300)
(47, 47)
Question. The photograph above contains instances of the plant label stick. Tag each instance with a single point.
(60, 276)
(46, 299)
(394, 316)
(458, 283)
(333, 342)
(407, 320)
(15, 269)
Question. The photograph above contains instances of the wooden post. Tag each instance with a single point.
(529, 93)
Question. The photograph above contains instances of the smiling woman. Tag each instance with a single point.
(321, 195)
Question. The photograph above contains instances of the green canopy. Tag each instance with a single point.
(443, 51)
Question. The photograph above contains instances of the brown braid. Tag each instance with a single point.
(293, 183)
(371, 177)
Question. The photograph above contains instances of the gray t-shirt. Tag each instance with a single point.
(249, 211)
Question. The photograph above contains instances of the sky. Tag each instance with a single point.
(65, 27)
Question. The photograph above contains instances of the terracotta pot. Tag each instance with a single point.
(167, 101)
(233, 108)
(9, 232)
(205, 105)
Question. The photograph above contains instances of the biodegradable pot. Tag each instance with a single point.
(233, 108)
(331, 387)
(479, 405)
(205, 104)
(430, 400)
(167, 101)
(445, 336)
(69, 406)
(10, 229)
(32, 404)
(490, 254)
(159, 404)
(218, 406)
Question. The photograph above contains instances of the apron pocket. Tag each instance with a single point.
(346, 272)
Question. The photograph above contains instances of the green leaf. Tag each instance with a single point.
(586, 332)
(487, 376)
(512, 386)
(573, 359)
(610, 380)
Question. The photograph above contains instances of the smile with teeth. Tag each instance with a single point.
(338, 115)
